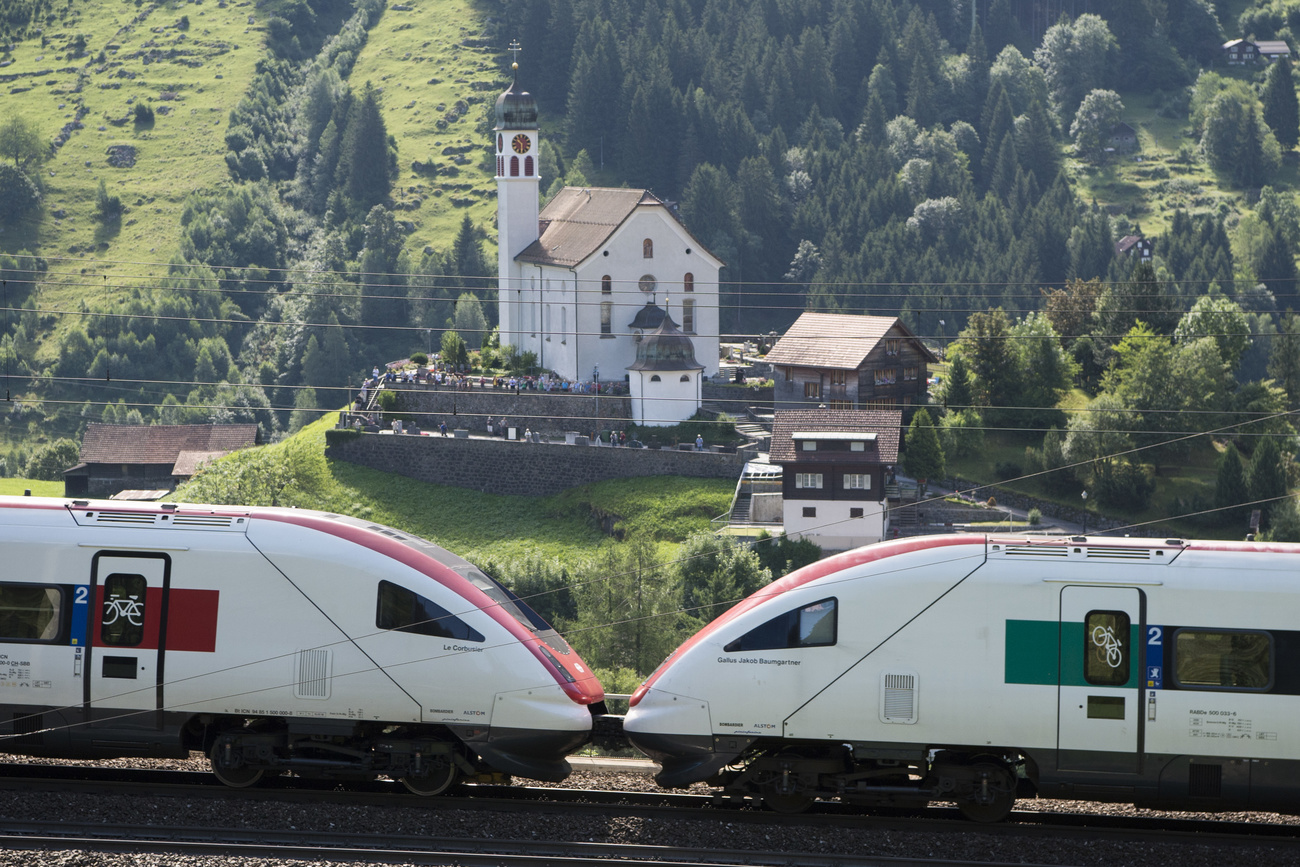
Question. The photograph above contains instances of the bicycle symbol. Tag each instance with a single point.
(1104, 638)
(127, 607)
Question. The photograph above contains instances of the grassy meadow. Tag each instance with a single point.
(192, 62)
(438, 78)
(192, 74)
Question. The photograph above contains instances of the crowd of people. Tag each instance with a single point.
(362, 416)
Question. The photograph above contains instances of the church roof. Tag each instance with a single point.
(665, 348)
(579, 220)
(649, 317)
(516, 109)
(838, 341)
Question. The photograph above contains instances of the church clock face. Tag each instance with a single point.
(520, 143)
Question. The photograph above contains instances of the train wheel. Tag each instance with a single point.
(237, 776)
(782, 792)
(439, 779)
(795, 802)
(994, 794)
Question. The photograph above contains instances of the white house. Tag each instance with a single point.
(573, 279)
(834, 464)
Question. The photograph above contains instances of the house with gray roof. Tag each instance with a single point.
(847, 362)
(149, 461)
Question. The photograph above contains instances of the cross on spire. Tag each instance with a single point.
(514, 49)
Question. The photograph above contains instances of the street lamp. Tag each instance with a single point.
(1085, 512)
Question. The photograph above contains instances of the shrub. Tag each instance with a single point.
(1035, 517)
(1124, 486)
(107, 207)
(18, 194)
(143, 114)
(420, 359)
(337, 436)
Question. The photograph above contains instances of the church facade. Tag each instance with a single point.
(575, 278)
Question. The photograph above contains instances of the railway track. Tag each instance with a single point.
(318, 846)
(587, 813)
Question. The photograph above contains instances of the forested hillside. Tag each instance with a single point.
(958, 166)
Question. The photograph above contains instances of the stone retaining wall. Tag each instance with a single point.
(530, 469)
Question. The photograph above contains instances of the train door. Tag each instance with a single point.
(1099, 719)
(127, 624)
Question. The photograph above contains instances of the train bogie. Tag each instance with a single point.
(274, 640)
(967, 669)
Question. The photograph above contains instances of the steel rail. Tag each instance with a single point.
(417, 850)
(92, 781)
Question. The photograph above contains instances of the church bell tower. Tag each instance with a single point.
(518, 193)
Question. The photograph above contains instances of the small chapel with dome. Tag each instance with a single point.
(602, 283)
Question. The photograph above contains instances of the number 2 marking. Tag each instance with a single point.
(1154, 635)
(82, 596)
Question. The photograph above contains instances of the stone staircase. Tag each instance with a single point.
(740, 508)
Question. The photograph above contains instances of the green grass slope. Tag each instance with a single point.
(134, 53)
(474, 525)
(438, 77)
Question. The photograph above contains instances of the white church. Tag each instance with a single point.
(602, 283)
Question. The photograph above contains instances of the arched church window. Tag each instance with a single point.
(655, 378)
(688, 315)
(688, 282)
(606, 306)
(686, 377)
(647, 249)
(564, 324)
(514, 167)
(528, 167)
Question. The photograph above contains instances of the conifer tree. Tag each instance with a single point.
(923, 453)
(1266, 476)
(365, 167)
(957, 393)
(1230, 485)
(1281, 108)
(1284, 358)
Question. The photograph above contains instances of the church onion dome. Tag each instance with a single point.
(648, 318)
(516, 109)
(665, 348)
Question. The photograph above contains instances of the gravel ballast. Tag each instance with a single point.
(420, 819)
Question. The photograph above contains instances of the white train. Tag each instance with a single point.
(971, 669)
(273, 640)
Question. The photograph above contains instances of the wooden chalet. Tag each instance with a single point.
(849, 362)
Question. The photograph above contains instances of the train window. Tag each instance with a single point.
(30, 612)
(1107, 648)
(1223, 659)
(810, 626)
(124, 603)
(511, 604)
(406, 611)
